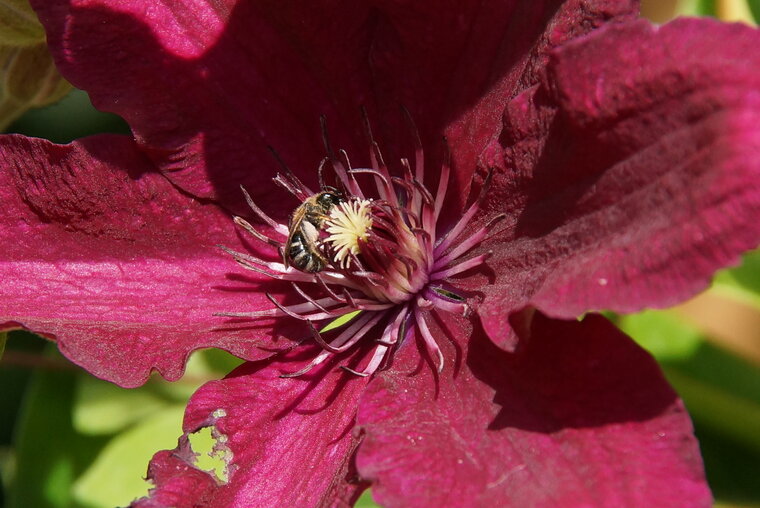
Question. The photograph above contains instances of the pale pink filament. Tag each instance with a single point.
(390, 280)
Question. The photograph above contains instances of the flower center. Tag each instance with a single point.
(378, 255)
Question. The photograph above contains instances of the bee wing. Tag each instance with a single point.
(294, 226)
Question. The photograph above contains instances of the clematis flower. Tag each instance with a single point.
(618, 158)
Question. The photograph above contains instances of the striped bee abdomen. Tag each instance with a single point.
(303, 251)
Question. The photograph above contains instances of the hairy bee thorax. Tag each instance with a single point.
(378, 252)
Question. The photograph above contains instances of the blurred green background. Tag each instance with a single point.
(70, 440)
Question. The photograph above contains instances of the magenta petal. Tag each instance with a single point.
(578, 416)
(507, 56)
(183, 486)
(290, 439)
(109, 259)
(226, 79)
(207, 87)
(632, 174)
(682, 198)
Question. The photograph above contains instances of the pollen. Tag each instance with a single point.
(349, 223)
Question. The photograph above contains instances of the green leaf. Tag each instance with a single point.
(720, 409)
(208, 459)
(663, 334)
(28, 79)
(742, 282)
(104, 408)
(218, 362)
(49, 453)
(721, 391)
(147, 419)
(754, 7)
(19, 25)
(732, 470)
(54, 122)
(115, 478)
(696, 8)
(366, 501)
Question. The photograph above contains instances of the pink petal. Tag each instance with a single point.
(227, 79)
(507, 55)
(578, 416)
(116, 265)
(291, 439)
(632, 174)
(184, 486)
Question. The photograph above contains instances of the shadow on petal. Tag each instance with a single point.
(570, 374)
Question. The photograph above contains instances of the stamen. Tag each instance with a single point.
(251, 262)
(406, 184)
(290, 181)
(380, 256)
(373, 278)
(352, 371)
(387, 192)
(321, 175)
(416, 202)
(390, 335)
(295, 309)
(351, 336)
(380, 170)
(404, 331)
(345, 176)
(419, 155)
(260, 236)
(430, 342)
(377, 358)
(450, 305)
(449, 238)
(280, 228)
(319, 340)
(300, 194)
(424, 193)
(308, 298)
(327, 289)
(293, 314)
(461, 267)
(443, 183)
(344, 341)
(469, 243)
(423, 303)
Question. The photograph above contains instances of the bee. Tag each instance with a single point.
(302, 250)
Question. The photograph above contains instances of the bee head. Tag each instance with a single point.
(329, 197)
